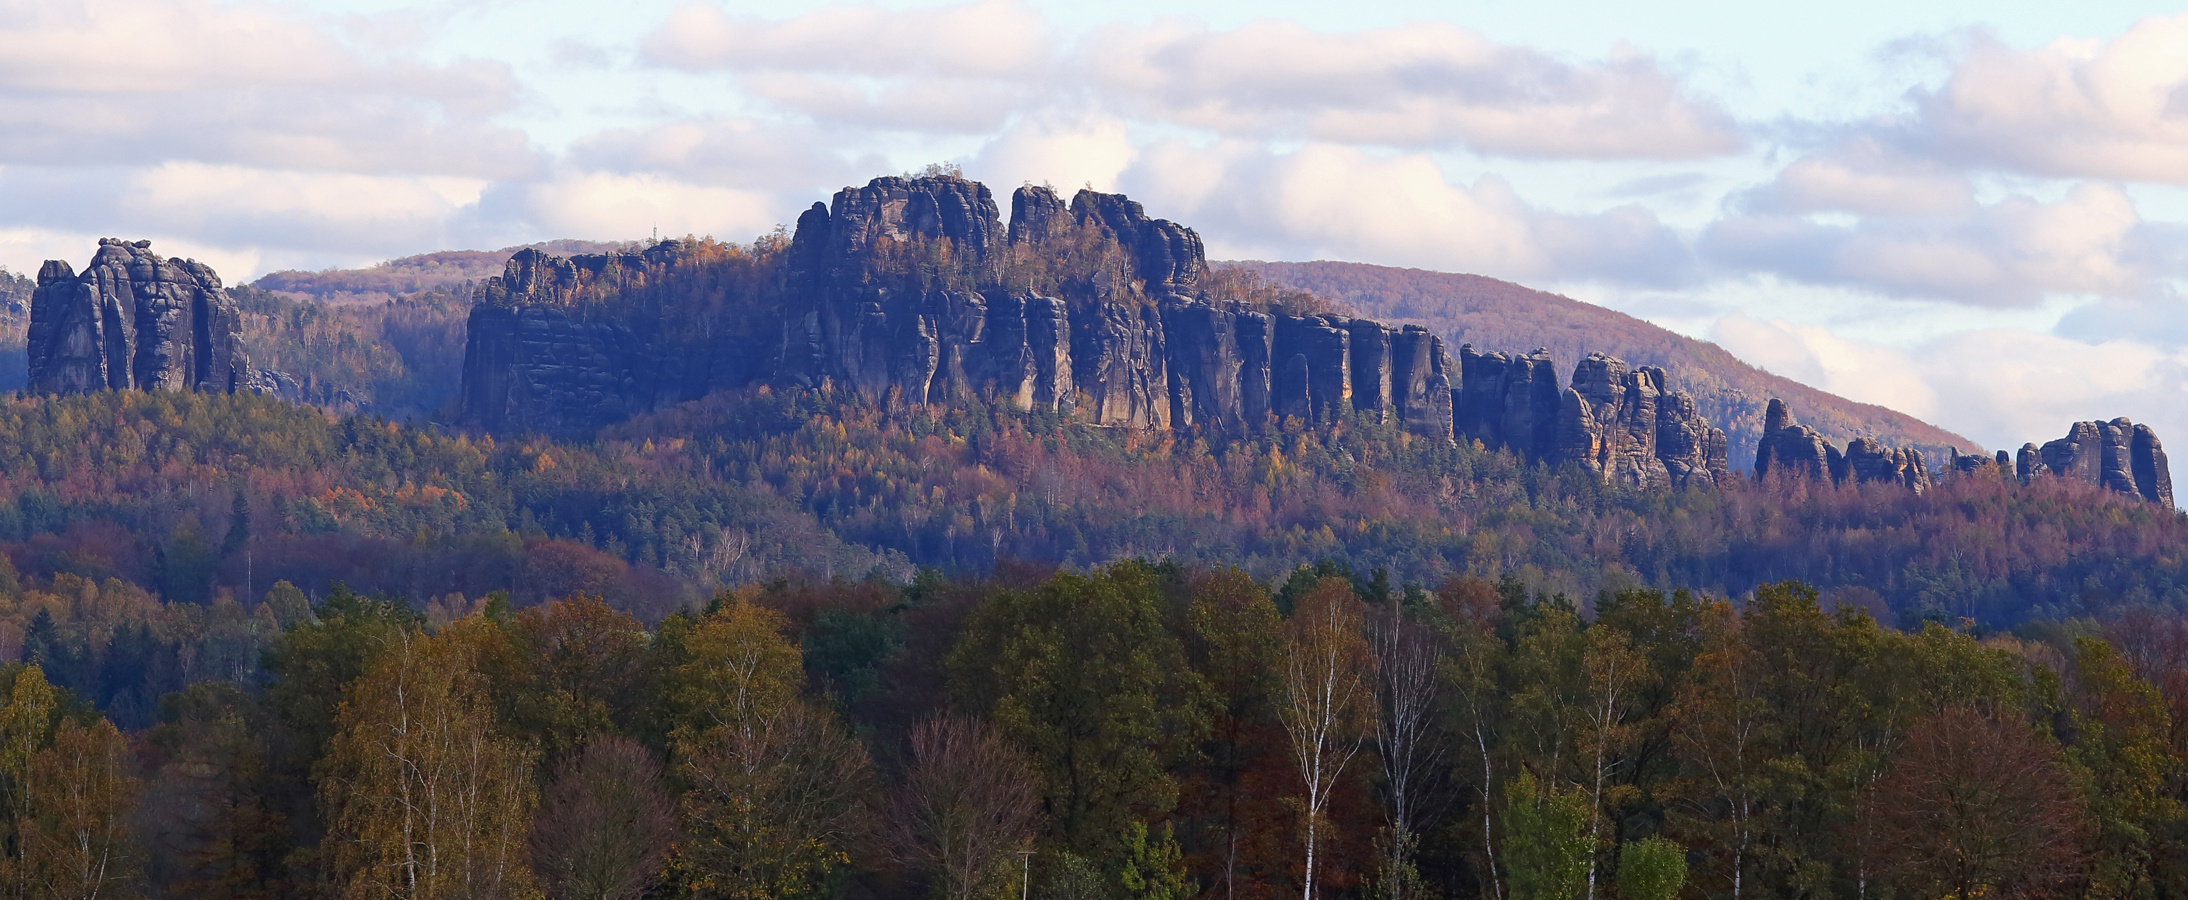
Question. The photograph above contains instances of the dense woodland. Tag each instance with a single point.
(790, 644)
(1135, 731)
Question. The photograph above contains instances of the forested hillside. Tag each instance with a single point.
(1131, 732)
(1500, 315)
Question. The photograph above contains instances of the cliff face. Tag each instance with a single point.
(2119, 455)
(1792, 451)
(911, 290)
(133, 320)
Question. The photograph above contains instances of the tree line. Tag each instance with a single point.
(1134, 731)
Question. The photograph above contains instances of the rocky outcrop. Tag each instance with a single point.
(1791, 451)
(134, 319)
(2119, 455)
(911, 291)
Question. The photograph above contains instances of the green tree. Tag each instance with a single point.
(1651, 869)
(1081, 672)
(1154, 867)
(1547, 844)
(778, 790)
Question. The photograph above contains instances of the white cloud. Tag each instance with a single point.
(1326, 201)
(612, 207)
(2073, 108)
(1429, 85)
(2003, 387)
(1813, 355)
(742, 151)
(1866, 177)
(987, 38)
(2010, 253)
(1068, 151)
(149, 81)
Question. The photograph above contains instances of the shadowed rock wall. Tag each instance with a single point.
(911, 290)
(134, 319)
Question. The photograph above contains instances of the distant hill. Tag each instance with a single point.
(1500, 315)
(410, 274)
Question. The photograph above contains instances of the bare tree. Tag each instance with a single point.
(1329, 704)
(1615, 673)
(1471, 668)
(967, 805)
(1407, 657)
(606, 824)
(1979, 807)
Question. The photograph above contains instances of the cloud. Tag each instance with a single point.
(2072, 108)
(1063, 149)
(1865, 176)
(2003, 387)
(151, 81)
(988, 38)
(2012, 253)
(1327, 201)
(742, 152)
(1812, 355)
(1428, 85)
(593, 205)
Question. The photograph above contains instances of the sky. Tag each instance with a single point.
(1975, 213)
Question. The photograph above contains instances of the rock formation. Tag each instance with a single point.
(2119, 455)
(1789, 450)
(134, 319)
(911, 290)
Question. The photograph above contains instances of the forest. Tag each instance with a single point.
(1139, 730)
(783, 643)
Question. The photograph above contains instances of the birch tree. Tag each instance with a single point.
(1470, 669)
(1720, 726)
(1407, 657)
(79, 832)
(425, 797)
(1328, 706)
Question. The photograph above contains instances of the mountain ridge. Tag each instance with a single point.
(1733, 394)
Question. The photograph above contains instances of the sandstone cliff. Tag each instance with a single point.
(2119, 455)
(1789, 450)
(133, 319)
(911, 290)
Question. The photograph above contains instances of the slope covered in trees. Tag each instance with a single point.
(1135, 731)
(1500, 315)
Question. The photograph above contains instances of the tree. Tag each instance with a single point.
(1978, 807)
(1474, 612)
(605, 825)
(1232, 637)
(79, 831)
(778, 792)
(968, 804)
(1408, 657)
(1154, 867)
(1547, 848)
(1651, 869)
(425, 796)
(2120, 727)
(1082, 673)
(1721, 737)
(1615, 673)
(1328, 699)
